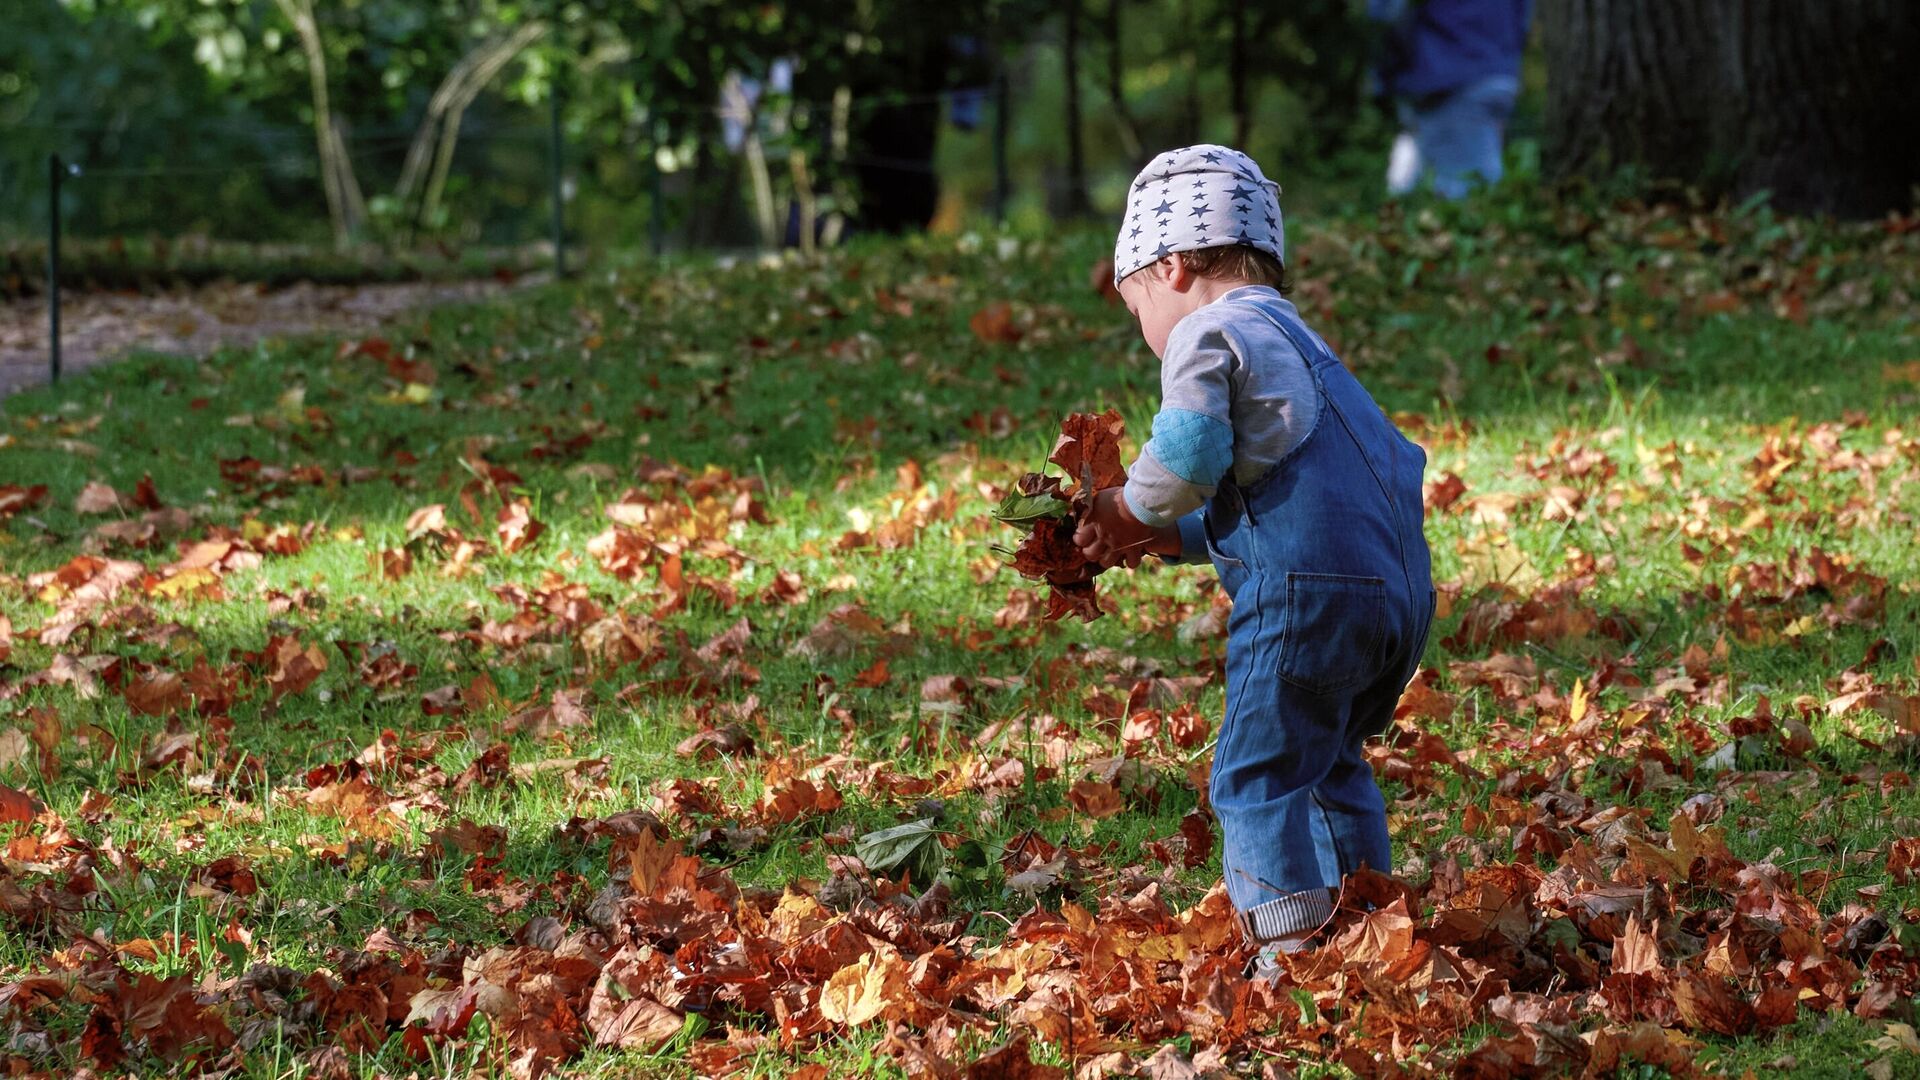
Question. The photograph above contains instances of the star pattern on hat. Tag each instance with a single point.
(1227, 201)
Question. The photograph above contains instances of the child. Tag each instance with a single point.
(1268, 458)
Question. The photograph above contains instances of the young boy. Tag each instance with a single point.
(1268, 458)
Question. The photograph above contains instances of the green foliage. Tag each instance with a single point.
(913, 847)
(119, 93)
(194, 116)
(1022, 511)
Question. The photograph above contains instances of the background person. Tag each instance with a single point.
(1453, 68)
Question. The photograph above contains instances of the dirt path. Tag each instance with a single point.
(101, 327)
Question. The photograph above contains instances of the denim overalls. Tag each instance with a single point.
(1328, 569)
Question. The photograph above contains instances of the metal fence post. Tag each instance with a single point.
(1001, 184)
(54, 172)
(559, 208)
(656, 193)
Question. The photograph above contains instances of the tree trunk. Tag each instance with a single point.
(747, 111)
(1123, 121)
(838, 140)
(1077, 202)
(1808, 101)
(439, 131)
(807, 207)
(346, 206)
(1190, 57)
(457, 111)
(762, 180)
(1237, 72)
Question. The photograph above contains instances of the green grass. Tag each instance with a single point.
(1509, 336)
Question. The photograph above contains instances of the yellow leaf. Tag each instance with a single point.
(1898, 1037)
(1077, 917)
(291, 405)
(183, 583)
(1495, 560)
(863, 990)
(414, 394)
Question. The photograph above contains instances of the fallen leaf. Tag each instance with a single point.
(1096, 798)
(17, 805)
(96, 498)
(864, 990)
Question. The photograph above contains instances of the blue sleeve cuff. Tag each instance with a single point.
(1193, 539)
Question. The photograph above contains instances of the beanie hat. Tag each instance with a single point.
(1198, 197)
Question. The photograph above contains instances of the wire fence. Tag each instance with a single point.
(278, 165)
(269, 153)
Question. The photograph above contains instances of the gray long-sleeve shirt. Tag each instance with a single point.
(1235, 394)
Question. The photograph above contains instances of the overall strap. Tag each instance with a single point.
(1313, 350)
(1315, 354)
(1319, 357)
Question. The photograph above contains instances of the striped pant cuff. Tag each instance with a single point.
(1295, 914)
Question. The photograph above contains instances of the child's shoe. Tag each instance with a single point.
(1266, 963)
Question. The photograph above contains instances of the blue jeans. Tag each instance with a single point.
(1327, 564)
(1460, 134)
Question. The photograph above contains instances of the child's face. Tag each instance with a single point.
(1159, 295)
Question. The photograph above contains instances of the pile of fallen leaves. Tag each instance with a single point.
(1639, 941)
(412, 717)
(1050, 512)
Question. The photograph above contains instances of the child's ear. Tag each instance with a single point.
(1178, 275)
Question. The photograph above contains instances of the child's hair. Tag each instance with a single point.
(1238, 262)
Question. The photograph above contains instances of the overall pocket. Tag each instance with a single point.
(1221, 560)
(1333, 628)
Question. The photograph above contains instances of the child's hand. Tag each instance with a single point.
(1098, 547)
(1110, 535)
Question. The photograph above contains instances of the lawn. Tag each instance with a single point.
(530, 689)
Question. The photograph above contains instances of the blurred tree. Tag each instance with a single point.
(651, 79)
(1237, 71)
(376, 51)
(1317, 49)
(1077, 202)
(401, 117)
(1809, 101)
(1123, 120)
(847, 96)
(118, 93)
